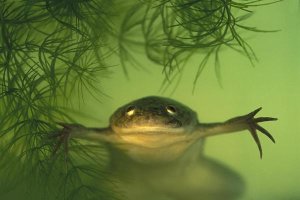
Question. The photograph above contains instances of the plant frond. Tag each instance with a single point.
(172, 29)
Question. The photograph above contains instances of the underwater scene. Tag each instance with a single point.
(149, 99)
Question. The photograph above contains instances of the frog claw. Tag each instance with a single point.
(62, 136)
(264, 119)
(265, 132)
(253, 126)
(253, 113)
(256, 139)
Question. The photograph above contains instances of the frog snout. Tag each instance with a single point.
(157, 119)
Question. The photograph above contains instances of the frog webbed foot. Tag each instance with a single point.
(252, 125)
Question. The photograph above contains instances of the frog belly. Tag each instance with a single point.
(190, 176)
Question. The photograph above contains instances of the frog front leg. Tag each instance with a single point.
(240, 123)
(81, 132)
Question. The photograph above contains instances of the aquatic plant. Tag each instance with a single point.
(54, 50)
(49, 51)
(173, 31)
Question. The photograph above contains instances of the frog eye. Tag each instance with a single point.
(171, 110)
(130, 110)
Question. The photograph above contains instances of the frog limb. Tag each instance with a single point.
(81, 132)
(240, 123)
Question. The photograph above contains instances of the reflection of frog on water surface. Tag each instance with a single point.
(156, 146)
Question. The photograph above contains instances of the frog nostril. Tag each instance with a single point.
(174, 123)
(130, 110)
(171, 109)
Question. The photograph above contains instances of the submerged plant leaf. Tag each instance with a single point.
(50, 51)
(176, 30)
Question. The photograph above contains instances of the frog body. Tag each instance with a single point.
(156, 144)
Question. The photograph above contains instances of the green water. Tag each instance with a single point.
(272, 84)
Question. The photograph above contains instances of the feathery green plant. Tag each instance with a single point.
(49, 50)
(173, 31)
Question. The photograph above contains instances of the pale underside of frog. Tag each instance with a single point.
(167, 136)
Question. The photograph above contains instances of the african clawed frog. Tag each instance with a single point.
(156, 131)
